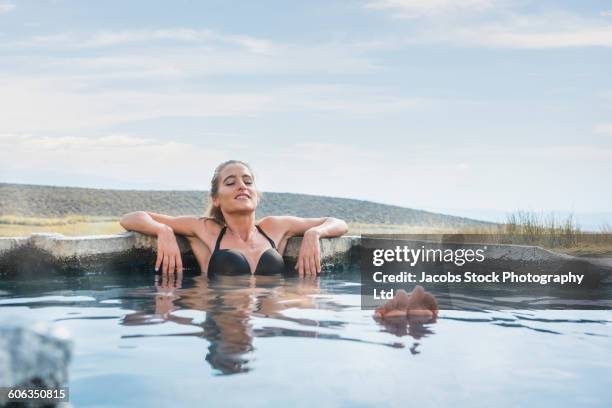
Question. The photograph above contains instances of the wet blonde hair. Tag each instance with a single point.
(212, 212)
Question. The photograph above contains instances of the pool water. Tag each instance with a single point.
(280, 341)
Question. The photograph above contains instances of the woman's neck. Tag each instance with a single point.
(242, 225)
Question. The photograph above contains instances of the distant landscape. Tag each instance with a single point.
(28, 208)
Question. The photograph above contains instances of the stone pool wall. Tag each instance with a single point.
(44, 253)
(56, 252)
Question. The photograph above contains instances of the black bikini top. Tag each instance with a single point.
(234, 262)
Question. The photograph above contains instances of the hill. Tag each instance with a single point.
(50, 201)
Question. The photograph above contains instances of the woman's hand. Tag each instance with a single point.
(165, 296)
(168, 252)
(309, 257)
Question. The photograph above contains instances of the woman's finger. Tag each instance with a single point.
(315, 270)
(172, 264)
(179, 263)
(313, 263)
(164, 284)
(318, 261)
(301, 265)
(158, 260)
(165, 264)
(297, 262)
(179, 278)
(310, 265)
(306, 265)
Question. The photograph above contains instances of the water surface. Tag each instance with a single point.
(142, 341)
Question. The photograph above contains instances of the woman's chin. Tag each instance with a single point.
(241, 207)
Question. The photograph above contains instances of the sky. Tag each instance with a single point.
(469, 107)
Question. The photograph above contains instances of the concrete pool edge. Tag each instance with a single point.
(56, 251)
(66, 252)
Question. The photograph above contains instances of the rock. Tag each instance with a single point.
(33, 355)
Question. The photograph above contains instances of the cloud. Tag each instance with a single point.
(417, 8)
(354, 100)
(64, 104)
(604, 129)
(6, 7)
(556, 30)
(110, 157)
(177, 36)
(199, 62)
(137, 160)
(180, 52)
(114, 38)
(499, 24)
(415, 176)
(58, 104)
(574, 153)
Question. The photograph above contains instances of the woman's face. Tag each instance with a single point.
(237, 191)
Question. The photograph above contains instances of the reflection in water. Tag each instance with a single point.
(231, 302)
(234, 314)
(407, 326)
(223, 326)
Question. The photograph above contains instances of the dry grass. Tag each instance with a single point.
(521, 228)
(11, 226)
(14, 226)
(49, 221)
(549, 231)
(363, 228)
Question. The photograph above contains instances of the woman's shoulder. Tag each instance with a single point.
(277, 224)
(208, 225)
(271, 220)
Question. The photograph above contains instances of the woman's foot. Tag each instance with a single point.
(416, 305)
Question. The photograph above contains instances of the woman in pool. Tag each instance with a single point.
(230, 240)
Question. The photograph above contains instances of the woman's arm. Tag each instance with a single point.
(329, 227)
(309, 257)
(296, 226)
(163, 227)
(311, 229)
(150, 223)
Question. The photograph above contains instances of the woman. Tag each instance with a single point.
(229, 240)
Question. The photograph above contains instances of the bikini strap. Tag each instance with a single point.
(219, 238)
(266, 235)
